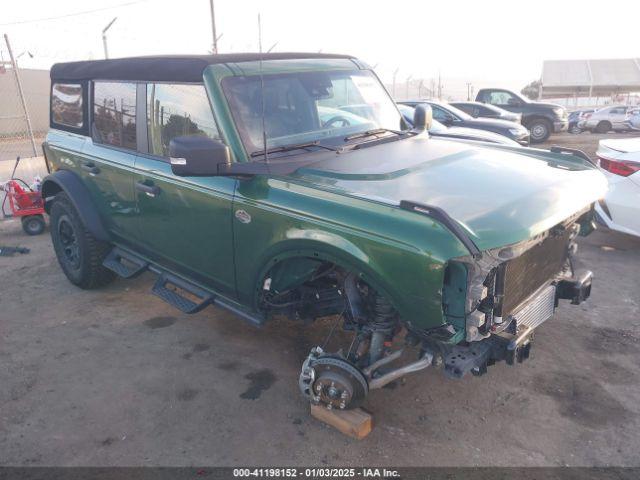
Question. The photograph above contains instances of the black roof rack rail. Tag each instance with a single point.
(443, 217)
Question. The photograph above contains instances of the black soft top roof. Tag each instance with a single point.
(178, 68)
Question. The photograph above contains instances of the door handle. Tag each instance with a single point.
(91, 168)
(149, 190)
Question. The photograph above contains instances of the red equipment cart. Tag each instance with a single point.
(24, 202)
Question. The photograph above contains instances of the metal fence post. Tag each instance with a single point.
(23, 101)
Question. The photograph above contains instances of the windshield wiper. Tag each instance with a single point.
(370, 133)
(295, 146)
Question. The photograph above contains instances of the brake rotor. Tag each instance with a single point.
(338, 383)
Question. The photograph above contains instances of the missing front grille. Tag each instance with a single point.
(524, 275)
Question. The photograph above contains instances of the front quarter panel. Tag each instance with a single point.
(404, 259)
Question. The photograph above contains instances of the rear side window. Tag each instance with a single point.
(176, 110)
(114, 114)
(67, 105)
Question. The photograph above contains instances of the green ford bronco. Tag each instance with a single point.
(290, 185)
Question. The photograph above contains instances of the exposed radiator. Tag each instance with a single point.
(524, 275)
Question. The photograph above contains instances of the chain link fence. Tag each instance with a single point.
(24, 119)
(24, 106)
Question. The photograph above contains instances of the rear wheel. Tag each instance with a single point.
(603, 127)
(574, 128)
(540, 130)
(79, 253)
(33, 224)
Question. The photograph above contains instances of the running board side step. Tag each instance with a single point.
(178, 300)
(131, 267)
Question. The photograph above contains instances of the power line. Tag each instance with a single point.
(85, 12)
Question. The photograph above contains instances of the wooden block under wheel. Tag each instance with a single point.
(356, 423)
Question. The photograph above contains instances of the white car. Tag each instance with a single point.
(620, 161)
(608, 118)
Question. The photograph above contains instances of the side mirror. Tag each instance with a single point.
(194, 156)
(422, 117)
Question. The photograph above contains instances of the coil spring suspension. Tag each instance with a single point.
(383, 317)
(383, 320)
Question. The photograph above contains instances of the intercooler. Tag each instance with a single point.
(521, 277)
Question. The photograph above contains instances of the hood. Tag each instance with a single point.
(512, 116)
(546, 104)
(542, 107)
(499, 195)
(475, 134)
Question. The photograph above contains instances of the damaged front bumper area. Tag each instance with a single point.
(513, 343)
(510, 292)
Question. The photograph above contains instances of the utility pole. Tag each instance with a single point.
(469, 87)
(16, 75)
(104, 37)
(439, 87)
(420, 88)
(408, 80)
(393, 89)
(213, 28)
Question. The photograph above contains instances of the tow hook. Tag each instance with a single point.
(576, 289)
(519, 348)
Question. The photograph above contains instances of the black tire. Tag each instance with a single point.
(575, 129)
(603, 127)
(33, 224)
(79, 253)
(540, 130)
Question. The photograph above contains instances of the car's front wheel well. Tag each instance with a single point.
(311, 287)
(49, 190)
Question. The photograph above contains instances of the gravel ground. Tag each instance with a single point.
(585, 141)
(117, 377)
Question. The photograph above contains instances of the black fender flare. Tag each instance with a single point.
(71, 184)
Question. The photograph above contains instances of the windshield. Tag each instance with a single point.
(457, 112)
(305, 107)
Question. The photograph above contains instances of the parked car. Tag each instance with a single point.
(450, 116)
(486, 110)
(608, 118)
(457, 133)
(577, 119)
(217, 174)
(633, 119)
(620, 160)
(542, 119)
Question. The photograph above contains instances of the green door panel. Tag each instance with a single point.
(187, 224)
(111, 187)
(64, 150)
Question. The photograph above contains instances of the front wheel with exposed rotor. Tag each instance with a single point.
(333, 381)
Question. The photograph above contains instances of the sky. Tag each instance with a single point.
(488, 41)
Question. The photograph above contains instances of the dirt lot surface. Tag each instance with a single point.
(585, 141)
(117, 377)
